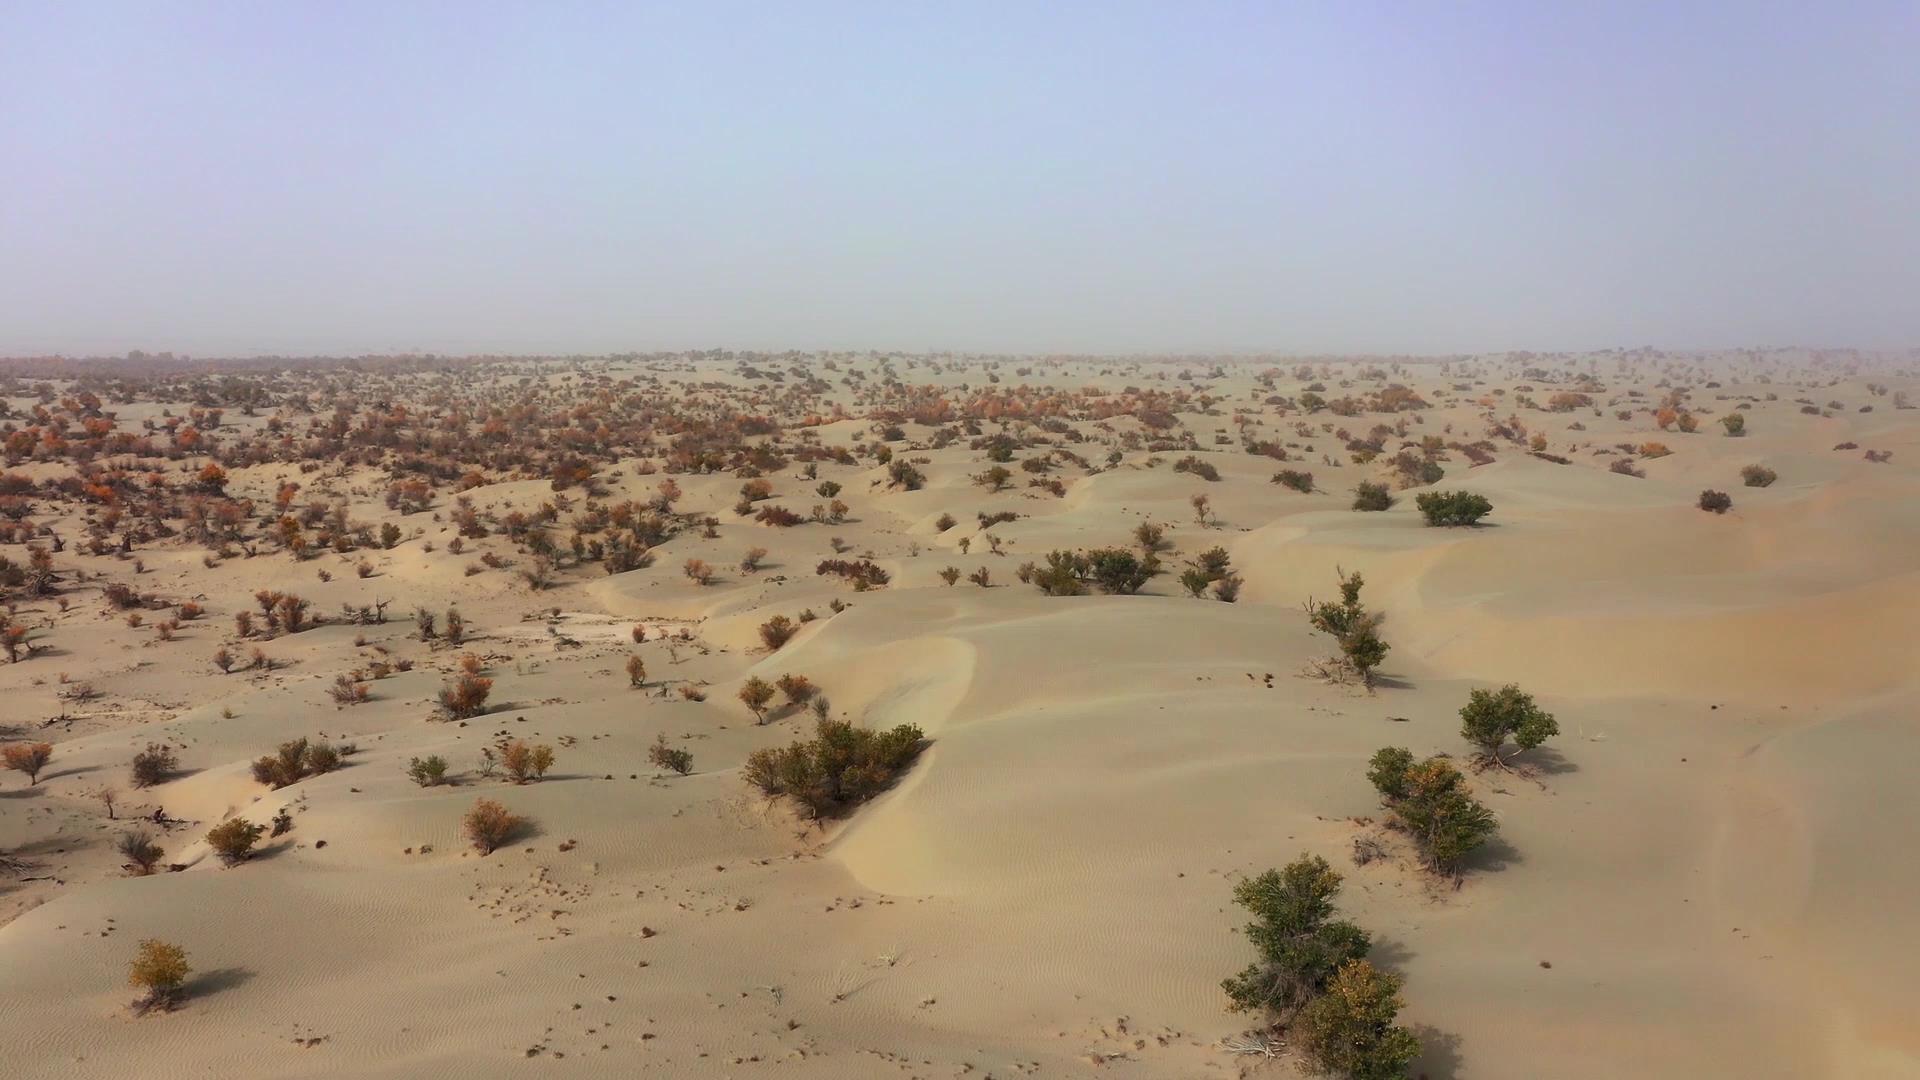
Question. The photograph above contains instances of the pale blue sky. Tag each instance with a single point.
(239, 178)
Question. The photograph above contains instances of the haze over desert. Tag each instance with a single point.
(1126, 541)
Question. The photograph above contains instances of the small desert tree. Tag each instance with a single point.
(1349, 1031)
(28, 758)
(233, 840)
(1429, 800)
(488, 825)
(138, 848)
(1299, 942)
(666, 757)
(1489, 719)
(159, 970)
(755, 693)
(1351, 625)
(636, 671)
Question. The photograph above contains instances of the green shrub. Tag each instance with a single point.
(1452, 508)
(666, 757)
(1300, 945)
(841, 767)
(1429, 800)
(233, 840)
(1295, 480)
(1371, 496)
(1489, 719)
(428, 771)
(1349, 1031)
(1356, 629)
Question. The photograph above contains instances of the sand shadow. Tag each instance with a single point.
(212, 982)
(1544, 761)
(1439, 1053)
(1495, 854)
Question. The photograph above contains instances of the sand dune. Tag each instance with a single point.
(1706, 874)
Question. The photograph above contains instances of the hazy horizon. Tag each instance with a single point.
(1360, 179)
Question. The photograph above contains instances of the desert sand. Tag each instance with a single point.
(1709, 872)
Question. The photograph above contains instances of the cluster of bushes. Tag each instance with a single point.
(863, 574)
(294, 762)
(1115, 571)
(1452, 508)
(1295, 480)
(1202, 469)
(841, 767)
(1211, 569)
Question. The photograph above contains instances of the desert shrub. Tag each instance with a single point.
(1118, 571)
(465, 696)
(750, 562)
(1294, 480)
(692, 693)
(233, 840)
(994, 478)
(697, 571)
(1715, 502)
(841, 767)
(1490, 718)
(1351, 625)
(755, 694)
(864, 574)
(950, 575)
(902, 474)
(1349, 1030)
(636, 671)
(525, 762)
(944, 522)
(1202, 469)
(428, 771)
(777, 631)
(1735, 423)
(1758, 476)
(348, 691)
(137, 847)
(28, 758)
(1452, 508)
(1299, 943)
(153, 765)
(666, 757)
(981, 577)
(158, 970)
(797, 688)
(1429, 800)
(1626, 467)
(1371, 496)
(778, 516)
(488, 825)
(294, 761)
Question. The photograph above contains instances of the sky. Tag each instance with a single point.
(342, 178)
